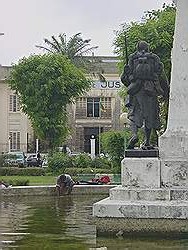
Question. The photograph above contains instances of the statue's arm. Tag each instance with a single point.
(127, 75)
(165, 85)
(158, 66)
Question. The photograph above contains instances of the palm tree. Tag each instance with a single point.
(75, 48)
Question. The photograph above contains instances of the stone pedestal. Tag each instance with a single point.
(153, 192)
(174, 173)
(140, 211)
(140, 172)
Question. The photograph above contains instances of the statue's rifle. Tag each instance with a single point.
(125, 75)
(126, 50)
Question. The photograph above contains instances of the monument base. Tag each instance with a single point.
(136, 210)
(163, 228)
(137, 153)
(140, 172)
(144, 202)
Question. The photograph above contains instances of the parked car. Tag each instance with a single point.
(15, 159)
(32, 161)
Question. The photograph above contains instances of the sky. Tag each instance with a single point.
(25, 23)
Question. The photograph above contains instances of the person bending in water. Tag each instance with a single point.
(64, 184)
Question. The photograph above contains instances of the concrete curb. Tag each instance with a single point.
(50, 190)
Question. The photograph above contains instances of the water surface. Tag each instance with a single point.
(63, 223)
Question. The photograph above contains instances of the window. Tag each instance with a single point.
(14, 105)
(93, 107)
(105, 107)
(14, 141)
(81, 107)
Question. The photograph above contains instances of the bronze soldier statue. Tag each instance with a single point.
(142, 77)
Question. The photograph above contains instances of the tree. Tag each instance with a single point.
(157, 28)
(75, 48)
(45, 85)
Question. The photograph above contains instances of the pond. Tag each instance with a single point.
(63, 223)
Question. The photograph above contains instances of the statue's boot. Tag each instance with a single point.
(132, 142)
(147, 146)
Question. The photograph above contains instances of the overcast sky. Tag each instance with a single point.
(26, 23)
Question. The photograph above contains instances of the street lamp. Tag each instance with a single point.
(124, 121)
(92, 141)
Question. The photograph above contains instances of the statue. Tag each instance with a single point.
(143, 78)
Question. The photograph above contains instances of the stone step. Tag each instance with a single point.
(156, 194)
(141, 209)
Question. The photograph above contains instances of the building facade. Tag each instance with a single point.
(95, 112)
(15, 129)
(98, 110)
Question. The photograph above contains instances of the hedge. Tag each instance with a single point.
(77, 171)
(9, 171)
(19, 182)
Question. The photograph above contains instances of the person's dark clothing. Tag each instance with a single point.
(38, 159)
(65, 181)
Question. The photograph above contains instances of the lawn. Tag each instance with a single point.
(48, 180)
(33, 180)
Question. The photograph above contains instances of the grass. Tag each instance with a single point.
(33, 180)
(44, 180)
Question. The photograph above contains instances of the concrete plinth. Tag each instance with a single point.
(51, 190)
(152, 190)
(141, 209)
(140, 172)
(137, 194)
(174, 173)
(142, 227)
(138, 210)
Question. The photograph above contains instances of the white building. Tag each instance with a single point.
(96, 112)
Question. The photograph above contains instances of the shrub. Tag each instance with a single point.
(82, 161)
(58, 161)
(61, 163)
(101, 163)
(19, 182)
(9, 171)
(2, 160)
(113, 143)
(76, 171)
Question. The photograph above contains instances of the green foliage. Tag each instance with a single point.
(33, 180)
(2, 159)
(19, 182)
(46, 84)
(9, 171)
(157, 28)
(58, 162)
(73, 48)
(101, 163)
(112, 143)
(61, 163)
(77, 171)
(82, 161)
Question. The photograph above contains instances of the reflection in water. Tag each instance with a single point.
(62, 223)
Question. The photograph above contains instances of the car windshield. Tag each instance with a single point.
(19, 156)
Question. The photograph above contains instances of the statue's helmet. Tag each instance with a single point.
(143, 46)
